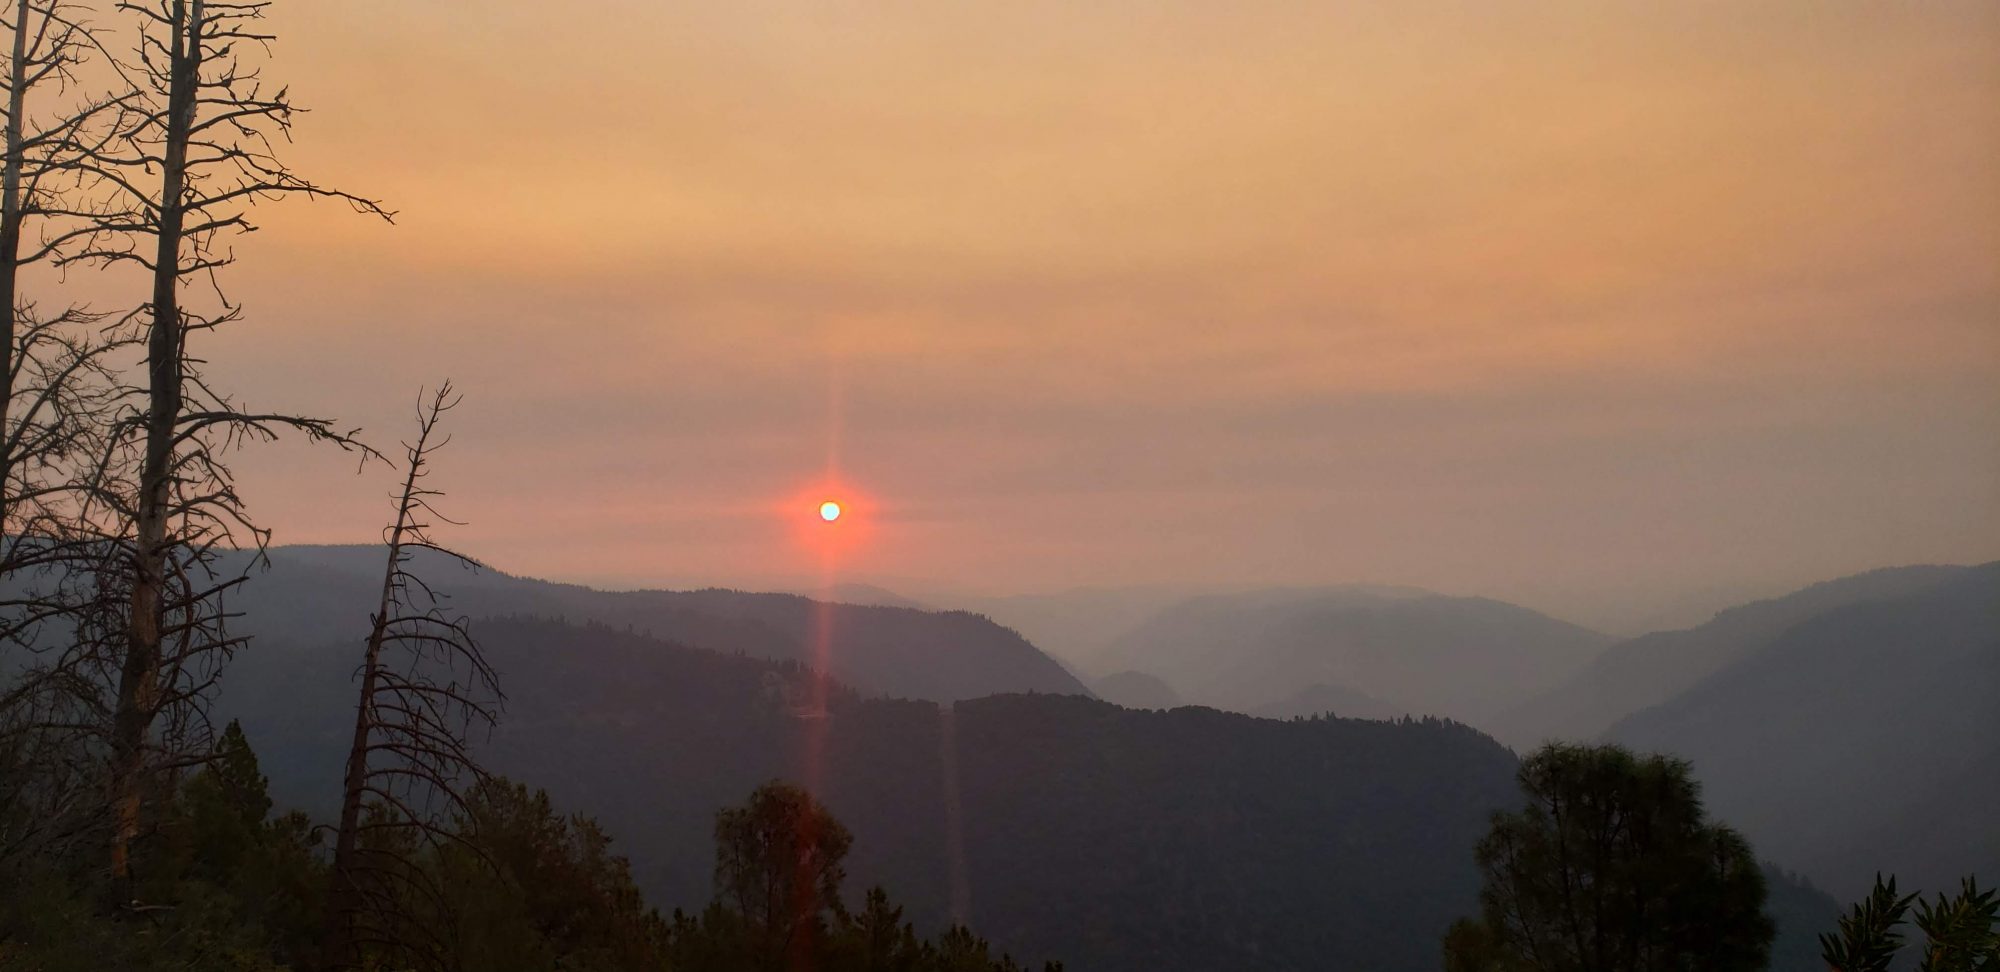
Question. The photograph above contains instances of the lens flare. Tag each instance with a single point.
(829, 511)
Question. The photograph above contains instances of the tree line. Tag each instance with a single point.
(235, 887)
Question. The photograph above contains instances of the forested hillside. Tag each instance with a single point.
(1057, 826)
(1061, 826)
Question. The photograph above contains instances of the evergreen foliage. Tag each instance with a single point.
(233, 888)
(228, 886)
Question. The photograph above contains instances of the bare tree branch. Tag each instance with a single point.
(425, 686)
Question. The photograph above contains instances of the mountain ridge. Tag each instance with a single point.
(1867, 722)
(1652, 668)
(1414, 651)
(911, 652)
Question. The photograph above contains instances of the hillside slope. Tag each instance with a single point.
(1865, 737)
(1465, 658)
(1653, 668)
(313, 595)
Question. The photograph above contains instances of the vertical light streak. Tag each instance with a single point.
(820, 648)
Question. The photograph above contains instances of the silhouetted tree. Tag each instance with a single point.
(1611, 868)
(424, 686)
(778, 908)
(1961, 932)
(221, 837)
(778, 868)
(240, 887)
(877, 939)
(194, 153)
(59, 396)
(530, 887)
(46, 362)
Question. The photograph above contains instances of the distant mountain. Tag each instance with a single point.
(310, 594)
(1462, 657)
(1075, 626)
(1320, 699)
(1865, 736)
(1651, 669)
(1062, 827)
(1136, 690)
(867, 595)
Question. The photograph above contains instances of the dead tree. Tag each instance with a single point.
(57, 391)
(425, 687)
(195, 153)
(40, 164)
(52, 714)
(60, 396)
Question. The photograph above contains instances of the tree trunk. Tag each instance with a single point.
(345, 900)
(10, 244)
(138, 684)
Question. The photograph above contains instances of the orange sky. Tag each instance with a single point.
(1593, 305)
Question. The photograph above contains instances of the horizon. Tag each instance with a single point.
(1641, 618)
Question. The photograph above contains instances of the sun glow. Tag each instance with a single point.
(830, 522)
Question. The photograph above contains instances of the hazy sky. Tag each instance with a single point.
(1595, 305)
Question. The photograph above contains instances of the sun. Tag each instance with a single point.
(829, 511)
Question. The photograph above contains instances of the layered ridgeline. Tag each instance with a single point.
(1848, 727)
(1858, 730)
(1364, 651)
(1651, 669)
(1077, 625)
(309, 595)
(1060, 826)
